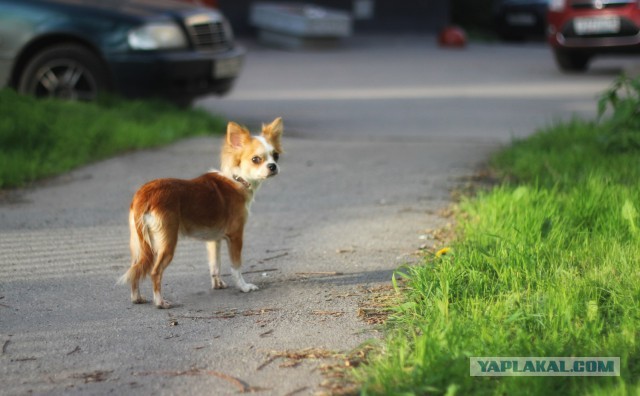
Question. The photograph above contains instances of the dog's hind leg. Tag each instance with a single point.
(162, 261)
(136, 297)
(166, 245)
(141, 258)
(213, 252)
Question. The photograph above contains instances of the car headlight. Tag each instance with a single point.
(157, 35)
(556, 5)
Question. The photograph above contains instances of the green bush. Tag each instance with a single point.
(621, 132)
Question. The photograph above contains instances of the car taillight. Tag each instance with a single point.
(557, 5)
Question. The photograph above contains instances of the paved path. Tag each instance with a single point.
(376, 135)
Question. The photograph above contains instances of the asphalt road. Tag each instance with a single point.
(377, 133)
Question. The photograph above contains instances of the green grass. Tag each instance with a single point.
(545, 264)
(41, 138)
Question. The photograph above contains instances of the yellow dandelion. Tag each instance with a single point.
(443, 251)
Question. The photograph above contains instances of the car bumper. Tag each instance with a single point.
(183, 75)
(563, 32)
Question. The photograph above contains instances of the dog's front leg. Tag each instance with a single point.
(213, 250)
(235, 254)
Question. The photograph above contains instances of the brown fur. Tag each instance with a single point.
(210, 207)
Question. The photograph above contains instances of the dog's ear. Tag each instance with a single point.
(273, 133)
(237, 136)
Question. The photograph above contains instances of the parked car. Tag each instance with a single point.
(520, 19)
(138, 48)
(581, 29)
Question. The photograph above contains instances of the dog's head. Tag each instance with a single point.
(252, 158)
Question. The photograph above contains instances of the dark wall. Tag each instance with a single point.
(389, 16)
(473, 13)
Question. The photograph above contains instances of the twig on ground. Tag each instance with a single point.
(277, 256)
(328, 273)
(293, 358)
(328, 313)
(77, 349)
(262, 270)
(94, 376)
(237, 382)
(266, 333)
(293, 392)
(377, 308)
(230, 313)
(25, 359)
(267, 362)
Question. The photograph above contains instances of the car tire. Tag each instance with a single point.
(64, 71)
(572, 62)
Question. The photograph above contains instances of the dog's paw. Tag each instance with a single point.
(138, 300)
(247, 287)
(217, 283)
(162, 303)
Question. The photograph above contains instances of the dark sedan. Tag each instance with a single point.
(520, 19)
(77, 49)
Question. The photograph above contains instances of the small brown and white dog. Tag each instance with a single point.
(212, 207)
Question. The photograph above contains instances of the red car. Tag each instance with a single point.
(578, 30)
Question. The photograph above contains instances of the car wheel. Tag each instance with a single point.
(65, 71)
(572, 62)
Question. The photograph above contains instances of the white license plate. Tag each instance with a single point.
(521, 19)
(600, 25)
(227, 68)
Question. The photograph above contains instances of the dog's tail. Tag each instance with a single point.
(141, 248)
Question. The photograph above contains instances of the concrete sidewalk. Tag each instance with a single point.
(376, 135)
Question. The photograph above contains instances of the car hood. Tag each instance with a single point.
(133, 8)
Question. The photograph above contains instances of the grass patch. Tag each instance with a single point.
(40, 138)
(545, 264)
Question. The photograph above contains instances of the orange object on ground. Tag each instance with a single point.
(452, 36)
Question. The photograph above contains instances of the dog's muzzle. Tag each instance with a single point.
(273, 169)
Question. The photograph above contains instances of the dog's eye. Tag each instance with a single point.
(276, 156)
(256, 160)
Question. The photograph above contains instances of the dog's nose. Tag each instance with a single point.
(273, 168)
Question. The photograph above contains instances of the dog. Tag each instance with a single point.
(212, 208)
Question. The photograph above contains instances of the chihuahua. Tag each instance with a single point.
(212, 207)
